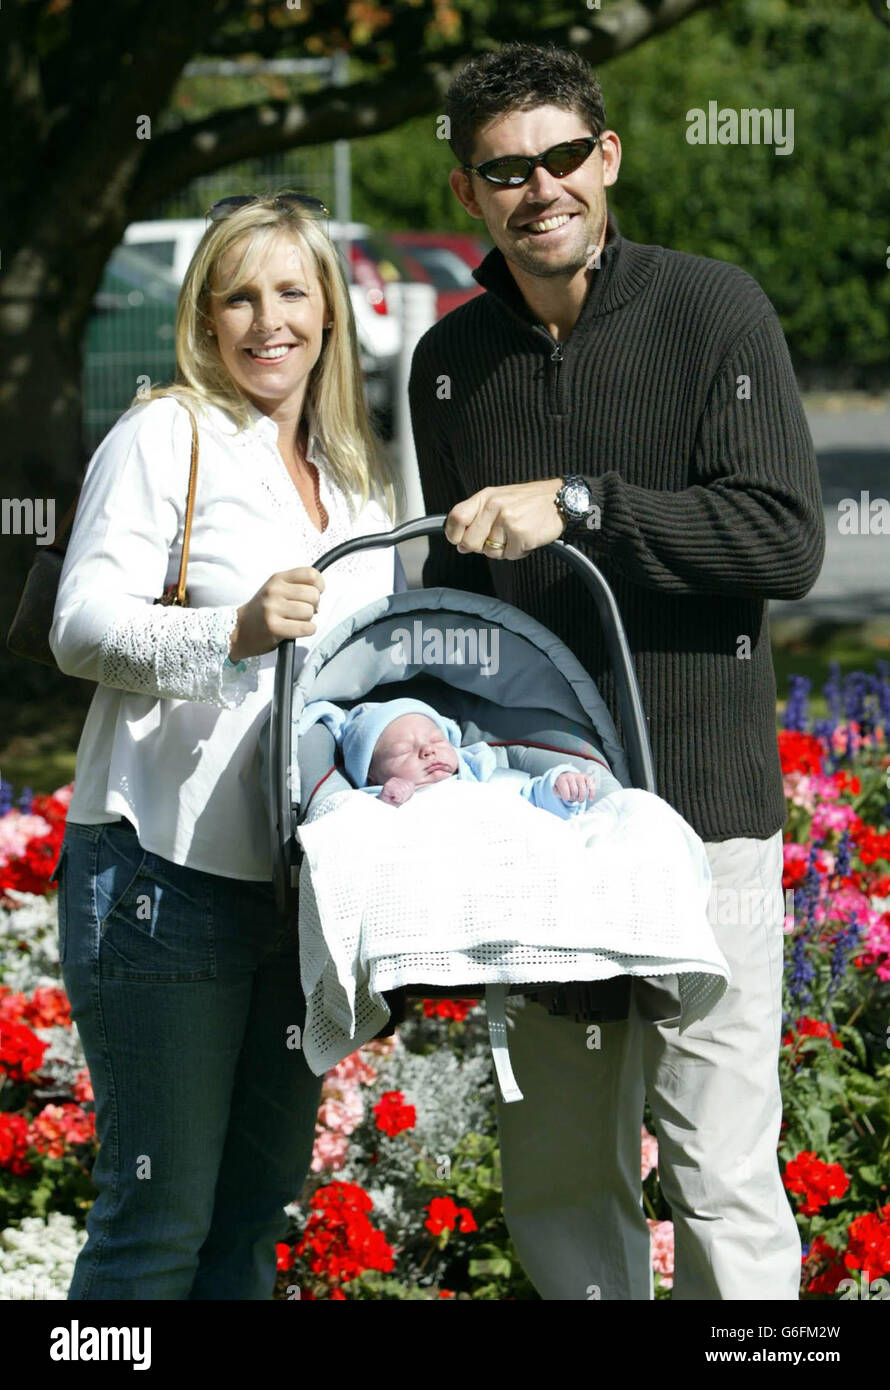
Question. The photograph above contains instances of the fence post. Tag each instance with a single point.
(416, 307)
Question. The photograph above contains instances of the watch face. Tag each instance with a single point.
(577, 498)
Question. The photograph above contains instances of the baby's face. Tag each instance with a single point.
(413, 747)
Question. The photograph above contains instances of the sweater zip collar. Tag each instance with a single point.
(610, 286)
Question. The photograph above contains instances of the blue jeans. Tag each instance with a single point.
(185, 989)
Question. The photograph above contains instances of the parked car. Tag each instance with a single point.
(414, 256)
(471, 249)
(129, 337)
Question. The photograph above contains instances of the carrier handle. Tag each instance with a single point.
(630, 704)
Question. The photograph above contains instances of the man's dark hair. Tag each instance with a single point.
(518, 77)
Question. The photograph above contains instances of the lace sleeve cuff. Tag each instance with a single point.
(177, 654)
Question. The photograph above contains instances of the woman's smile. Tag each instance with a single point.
(270, 356)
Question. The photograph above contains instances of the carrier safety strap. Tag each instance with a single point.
(495, 996)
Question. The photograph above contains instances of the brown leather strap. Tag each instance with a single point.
(65, 524)
(189, 509)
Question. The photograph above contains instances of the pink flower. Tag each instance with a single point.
(877, 942)
(16, 830)
(342, 1113)
(382, 1047)
(661, 1240)
(12, 1005)
(832, 818)
(353, 1069)
(58, 1125)
(799, 790)
(649, 1152)
(83, 1087)
(839, 737)
(329, 1151)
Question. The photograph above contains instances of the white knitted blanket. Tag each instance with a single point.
(467, 883)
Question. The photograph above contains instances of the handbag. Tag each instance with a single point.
(28, 636)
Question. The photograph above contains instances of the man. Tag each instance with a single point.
(659, 383)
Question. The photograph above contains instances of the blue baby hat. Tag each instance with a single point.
(358, 730)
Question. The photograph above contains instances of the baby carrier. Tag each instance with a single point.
(538, 708)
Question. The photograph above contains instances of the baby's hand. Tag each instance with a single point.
(396, 790)
(575, 786)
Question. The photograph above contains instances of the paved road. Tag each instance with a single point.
(853, 448)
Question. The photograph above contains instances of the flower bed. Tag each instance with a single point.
(403, 1200)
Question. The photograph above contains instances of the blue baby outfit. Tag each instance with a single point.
(358, 730)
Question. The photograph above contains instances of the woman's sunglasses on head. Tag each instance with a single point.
(513, 170)
(225, 206)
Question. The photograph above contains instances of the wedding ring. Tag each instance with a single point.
(495, 545)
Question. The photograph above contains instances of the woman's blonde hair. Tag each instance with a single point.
(358, 464)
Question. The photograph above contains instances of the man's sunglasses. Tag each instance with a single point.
(225, 206)
(513, 170)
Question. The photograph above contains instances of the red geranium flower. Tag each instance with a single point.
(339, 1240)
(455, 1009)
(14, 1143)
(393, 1115)
(869, 1242)
(846, 782)
(21, 1051)
(444, 1214)
(12, 1005)
(811, 1028)
(832, 1269)
(48, 1007)
(29, 872)
(816, 1181)
(343, 1195)
(58, 1125)
(800, 752)
(870, 843)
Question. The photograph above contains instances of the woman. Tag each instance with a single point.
(184, 982)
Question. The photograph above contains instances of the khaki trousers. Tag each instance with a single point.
(571, 1148)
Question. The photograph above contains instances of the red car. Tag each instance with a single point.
(445, 260)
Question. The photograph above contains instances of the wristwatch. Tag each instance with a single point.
(573, 502)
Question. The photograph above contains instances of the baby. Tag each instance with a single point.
(398, 747)
(413, 753)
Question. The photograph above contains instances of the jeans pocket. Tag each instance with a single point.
(58, 877)
(155, 917)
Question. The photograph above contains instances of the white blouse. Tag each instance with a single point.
(170, 738)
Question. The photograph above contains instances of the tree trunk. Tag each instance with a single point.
(45, 299)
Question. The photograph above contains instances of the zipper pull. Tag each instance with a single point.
(556, 354)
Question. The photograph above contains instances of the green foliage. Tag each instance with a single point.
(54, 1184)
(810, 226)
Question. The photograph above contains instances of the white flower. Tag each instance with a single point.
(29, 943)
(37, 1257)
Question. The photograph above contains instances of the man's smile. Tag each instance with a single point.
(552, 222)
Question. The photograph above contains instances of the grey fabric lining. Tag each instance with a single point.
(535, 690)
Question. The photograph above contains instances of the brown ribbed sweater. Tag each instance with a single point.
(675, 398)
